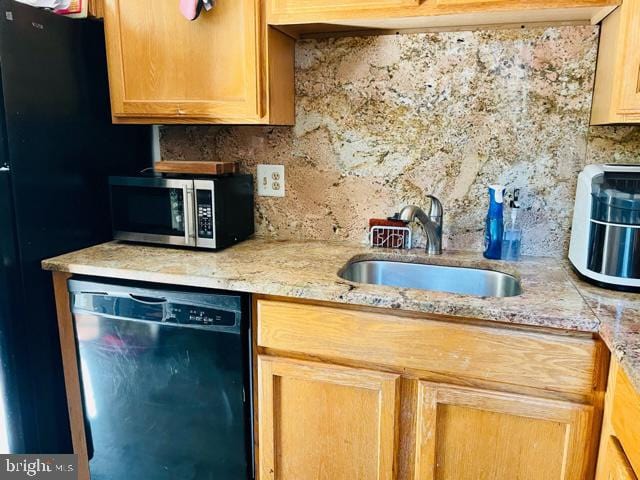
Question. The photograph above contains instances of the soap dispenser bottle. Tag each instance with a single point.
(494, 228)
(512, 232)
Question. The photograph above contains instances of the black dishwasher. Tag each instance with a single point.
(166, 381)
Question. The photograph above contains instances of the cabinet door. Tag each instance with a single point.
(325, 422)
(615, 465)
(162, 65)
(469, 434)
(630, 95)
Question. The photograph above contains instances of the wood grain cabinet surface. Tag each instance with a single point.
(302, 7)
(468, 434)
(299, 17)
(616, 97)
(615, 464)
(619, 457)
(479, 354)
(224, 67)
(325, 422)
(346, 394)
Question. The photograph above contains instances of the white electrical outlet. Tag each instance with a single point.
(271, 180)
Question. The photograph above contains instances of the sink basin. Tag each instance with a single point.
(438, 278)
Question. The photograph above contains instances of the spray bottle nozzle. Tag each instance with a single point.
(514, 203)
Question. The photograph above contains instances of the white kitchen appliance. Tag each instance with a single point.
(605, 238)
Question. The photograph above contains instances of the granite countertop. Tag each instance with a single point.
(553, 297)
(619, 315)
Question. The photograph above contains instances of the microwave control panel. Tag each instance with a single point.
(205, 213)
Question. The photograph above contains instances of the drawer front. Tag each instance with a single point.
(538, 360)
(625, 420)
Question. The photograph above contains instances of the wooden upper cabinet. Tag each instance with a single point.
(284, 7)
(469, 434)
(616, 97)
(299, 17)
(217, 69)
(325, 422)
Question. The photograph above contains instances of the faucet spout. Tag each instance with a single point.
(431, 223)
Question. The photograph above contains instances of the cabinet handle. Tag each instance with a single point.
(638, 84)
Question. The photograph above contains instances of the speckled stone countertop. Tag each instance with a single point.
(619, 315)
(552, 297)
(309, 270)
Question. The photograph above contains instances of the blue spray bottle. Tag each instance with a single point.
(495, 224)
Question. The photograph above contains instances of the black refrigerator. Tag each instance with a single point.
(57, 147)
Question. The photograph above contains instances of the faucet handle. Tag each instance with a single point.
(435, 210)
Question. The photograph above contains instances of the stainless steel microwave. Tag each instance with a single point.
(211, 213)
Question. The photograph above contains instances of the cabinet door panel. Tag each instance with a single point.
(468, 434)
(325, 422)
(625, 413)
(630, 97)
(615, 464)
(160, 64)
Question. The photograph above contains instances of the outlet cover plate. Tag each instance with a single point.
(271, 180)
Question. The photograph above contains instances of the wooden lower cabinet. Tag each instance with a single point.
(619, 457)
(328, 422)
(349, 394)
(325, 422)
(615, 465)
(469, 434)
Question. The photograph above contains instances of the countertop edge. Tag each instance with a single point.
(302, 292)
(350, 296)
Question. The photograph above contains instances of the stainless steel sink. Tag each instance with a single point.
(438, 278)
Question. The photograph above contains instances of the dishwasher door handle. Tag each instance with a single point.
(148, 300)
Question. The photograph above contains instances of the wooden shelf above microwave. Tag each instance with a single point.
(196, 167)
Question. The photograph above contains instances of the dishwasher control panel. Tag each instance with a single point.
(193, 315)
(155, 309)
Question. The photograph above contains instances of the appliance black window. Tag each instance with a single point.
(148, 210)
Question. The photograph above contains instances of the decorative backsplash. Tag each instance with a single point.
(383, 121)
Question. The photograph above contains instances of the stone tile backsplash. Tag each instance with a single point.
(384, 121)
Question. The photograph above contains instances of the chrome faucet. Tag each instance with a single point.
(431, 223)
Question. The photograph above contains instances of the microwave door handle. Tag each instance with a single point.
(190, 230)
